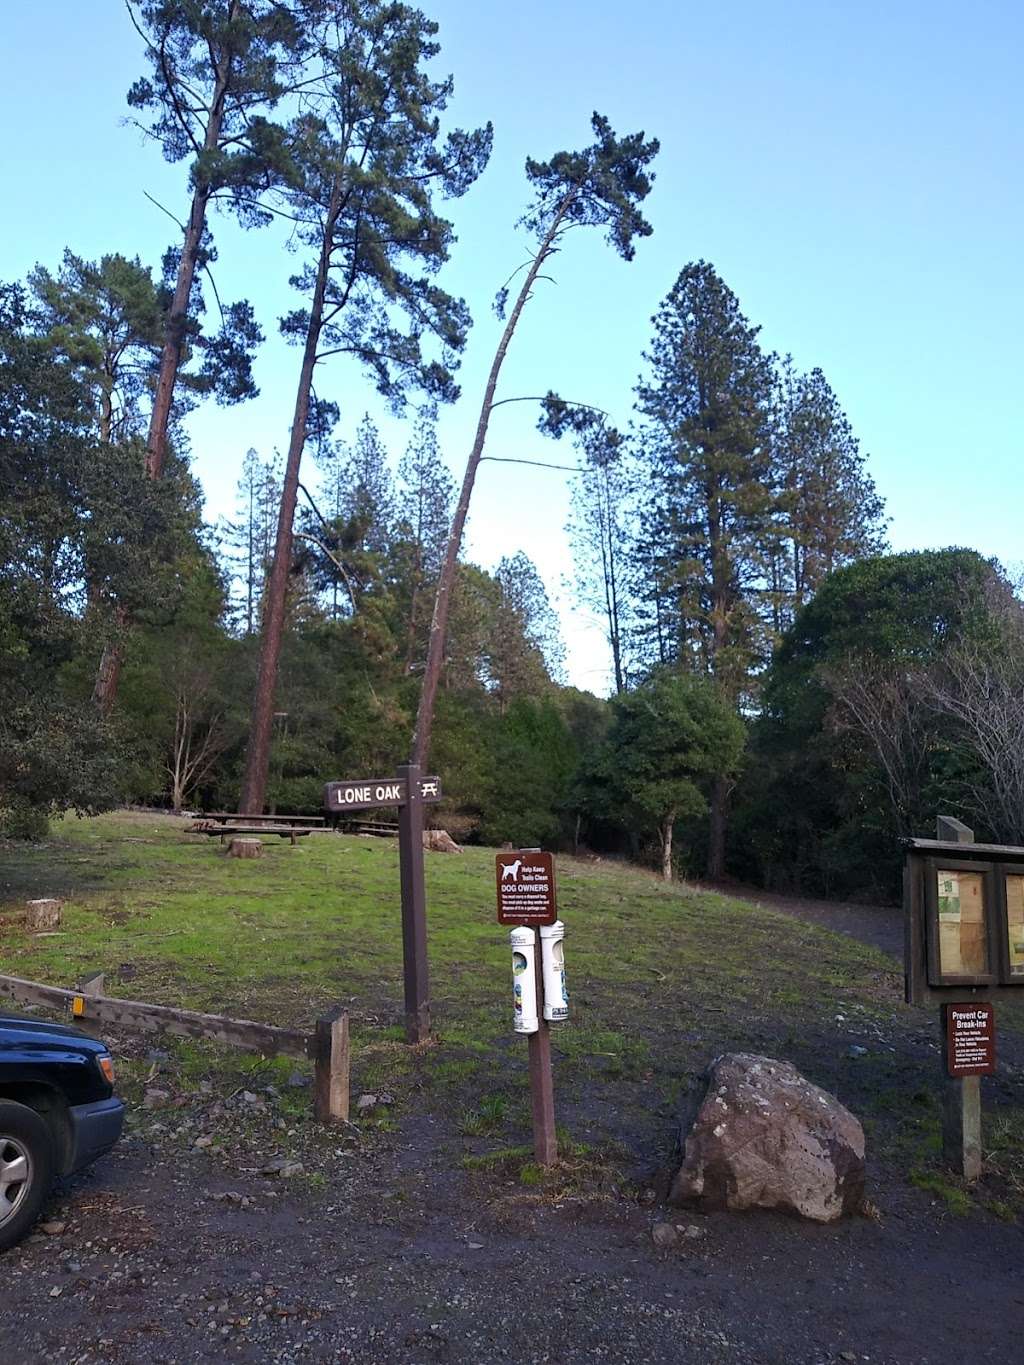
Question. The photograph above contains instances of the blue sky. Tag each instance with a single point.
(853, 171)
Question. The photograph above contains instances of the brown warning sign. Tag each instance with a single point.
(970, 1038)
(526, 888)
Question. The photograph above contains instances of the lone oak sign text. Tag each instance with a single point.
(366, 793)
(408, 791)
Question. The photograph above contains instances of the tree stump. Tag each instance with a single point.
(245, 848)
(42, 914)
(439, 841)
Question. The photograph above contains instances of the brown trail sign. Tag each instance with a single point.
(369, 793)
(526, 888)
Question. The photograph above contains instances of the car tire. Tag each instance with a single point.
(26, 1169)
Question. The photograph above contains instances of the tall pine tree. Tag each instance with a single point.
(367, 160)
(707, 400)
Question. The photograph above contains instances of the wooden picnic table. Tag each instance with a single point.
(223, 831)
(222, 817)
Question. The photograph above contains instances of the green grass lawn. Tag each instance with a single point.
(661, 978)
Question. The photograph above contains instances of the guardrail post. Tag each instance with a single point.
(331, 1062)
(92, 984)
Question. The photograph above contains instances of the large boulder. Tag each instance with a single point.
(763, 1137)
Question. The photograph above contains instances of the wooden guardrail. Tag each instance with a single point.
(327, 1046)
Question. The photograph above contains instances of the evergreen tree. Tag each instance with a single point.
(106, 319)
(599, 532)
(707, 399)
(248, 540)
(426, 495)
(670, 740)
(217, 67)
(526, 650)
(601, 186)
(831, 511)
(366, 161)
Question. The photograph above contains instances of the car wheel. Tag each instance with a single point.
(26, 1169)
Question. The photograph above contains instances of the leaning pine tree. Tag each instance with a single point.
(367, 160)
(600, 186)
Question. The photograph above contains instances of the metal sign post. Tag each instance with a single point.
(409, 792)
(526, 898)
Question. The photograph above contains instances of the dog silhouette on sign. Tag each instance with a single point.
(510, 871)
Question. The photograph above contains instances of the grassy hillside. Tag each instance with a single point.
(662, 978)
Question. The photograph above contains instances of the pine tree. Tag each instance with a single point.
(366, 159)
(248, 540)
(526, 651)
(600, 536)
(424, 511)
(707, 399)
(832, 513)
(602, 186)
(106, 319)
(217, 68)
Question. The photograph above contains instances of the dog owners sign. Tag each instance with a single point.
(526, 888)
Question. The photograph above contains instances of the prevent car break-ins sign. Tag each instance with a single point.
(526, 888)
(970, 1038)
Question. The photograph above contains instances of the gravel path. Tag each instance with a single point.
(160, 1259)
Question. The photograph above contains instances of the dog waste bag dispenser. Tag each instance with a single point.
(552, 953)
(524, 980)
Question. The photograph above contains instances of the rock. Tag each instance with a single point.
(384, 1099)
(439, 841)
(764, 1137)
(204, 1141)
(245, 848)
(156, 1099)
(283, 1166)
(52, 1229)
(692, 1232)
(249, 1098)
(855, 1050)
(664, 1235)
(366, 1102)
(297, 1079)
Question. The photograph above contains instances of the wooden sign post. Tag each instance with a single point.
(526, 898)
(410, 792)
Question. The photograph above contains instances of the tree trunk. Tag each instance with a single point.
(446, 582)
(177, 318)
(716, 832)
(275, 594)
(666, 845)
(108, 674)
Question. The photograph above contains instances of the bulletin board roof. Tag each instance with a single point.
(980, 852)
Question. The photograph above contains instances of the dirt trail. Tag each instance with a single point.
(881, 926)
